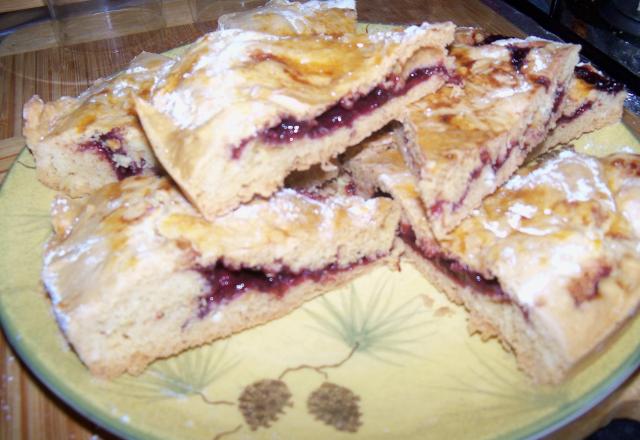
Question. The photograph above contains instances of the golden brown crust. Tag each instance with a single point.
(463, 142)
(82, 143)
(136, 250)
(561, 238)
(251, 82)
(283, 17)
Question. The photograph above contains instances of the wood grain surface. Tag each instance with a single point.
(31, 63)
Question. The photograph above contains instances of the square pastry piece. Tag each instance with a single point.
(464, 142)
(283, 17)
(550, 263)
(241, 109)
(135, 273)
(83, 143)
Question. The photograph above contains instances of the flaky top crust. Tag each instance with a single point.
(130, 226)
(108, 103)
(283, 17)
(562, 237)
(498, 83)
(250, 81)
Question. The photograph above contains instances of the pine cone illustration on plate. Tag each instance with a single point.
(261, 402)
(335, 405)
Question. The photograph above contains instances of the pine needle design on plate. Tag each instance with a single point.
(370, 322)
(505, 392)
(187, 375)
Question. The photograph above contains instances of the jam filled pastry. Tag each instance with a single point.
(591, 102)
(135, 273)
(80, 144)
(464, 141)
(376, 166)
(550, 263)
(241, 110)
(283, 17)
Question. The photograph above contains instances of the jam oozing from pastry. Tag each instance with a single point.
(351, 189)
(226, 283)
(518, 56)
(597, 80)
(101, 146)
(344, 113)
(492, 39)
(579, 111)
(454, 269)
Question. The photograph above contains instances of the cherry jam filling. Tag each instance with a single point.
(454, 269)
(564, 119)
(598, 81)
(492, 39)
(226, 283)
(518, 56)
(98, 144)
(485, 159)
(344, 113)
(558, 98)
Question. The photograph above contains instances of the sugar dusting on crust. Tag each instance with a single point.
(566, 204)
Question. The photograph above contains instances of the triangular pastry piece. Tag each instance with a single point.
(80, 144)
(549, 263)
(241, 110)
(590, 102)
(464, 141)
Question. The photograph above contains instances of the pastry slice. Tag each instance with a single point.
(591, 101)
(464, 141)
(550, 263)
(241, 110)
(83, 143)
(135, 273)
(376, 166)
(283, 17)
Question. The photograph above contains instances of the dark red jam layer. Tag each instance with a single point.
(98, 144)
(564, 119)
(226, 284)
(598, 81)
(492, 39)
(485, 159)
(518, 56)
(344, 113)
(558, 99)
(454, 269)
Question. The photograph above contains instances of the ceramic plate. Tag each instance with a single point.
(385, 357)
